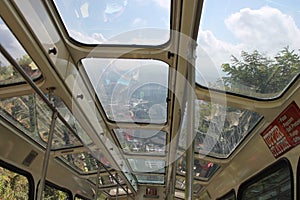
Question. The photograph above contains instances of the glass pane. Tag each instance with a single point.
(142, 141)
(250, 47)
(106, 180)
(275, 185)
(202, 168)
(81, 162)
(219, 135)
(32, 116)
(180, 184)
(120, 191)
(179, 194)
(72, 121)
(219, 128)
(130, 90)
(147, 165)
(116, 21)
(54, 193)
(13, 185)
(150, 179)
(8, 75)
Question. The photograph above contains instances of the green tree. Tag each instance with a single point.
(260, 73)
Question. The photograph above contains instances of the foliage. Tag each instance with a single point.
(13, 185)
(51, 193)
(260, 73)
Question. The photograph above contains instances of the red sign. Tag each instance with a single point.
(284, 132)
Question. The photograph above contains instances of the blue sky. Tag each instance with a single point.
(100, 20)
(228, 27)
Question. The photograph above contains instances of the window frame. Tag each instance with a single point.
(269, 170)
(57, 187)
(22, 172)
(228, 194)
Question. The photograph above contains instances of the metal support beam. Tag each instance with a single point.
(116, 179)
(190, 129)
(46, 157)
(97, 181)
(46, 100)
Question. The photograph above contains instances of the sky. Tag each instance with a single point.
(228, 27)
(94, 21)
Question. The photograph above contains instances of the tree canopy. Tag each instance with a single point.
(260, 73)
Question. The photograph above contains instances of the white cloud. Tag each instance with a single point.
(163, 3)
(139, 22)
(266, 29)
(11, 44)
(95, 38)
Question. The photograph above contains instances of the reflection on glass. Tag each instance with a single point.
(32, 116)
(202, 168)
(150, 179)
(98, 22)
(275, 185)
(237, 54)
(147, 165)
(8, 75)
(180, 184)
(81, 162)
(221, 139)
(219, 129)
(141, 141)
(107, 180)
(179, 194)
(72, 121)
(117, 191)
(130, 90)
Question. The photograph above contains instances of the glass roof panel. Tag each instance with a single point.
(130, 90)
(151, 179)
(117, 192)
(8, 75)
(32, 116)
(219, 129)
(202, 169)
(116, 21)
(142, 141)
(250, 47)
(83, 163)
(106, 180)
(147, 165)
(180, 184)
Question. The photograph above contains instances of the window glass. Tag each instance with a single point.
(249, 47)
(52, 193)
(13, 185)
(202, 168)
(77, 197)
(272, 183)
(107, 180)
(147, 165)
(8, 75)
(130, 90)
(116, 21)
(32, 116)
(219, 128)
(229, 196)
(117, 191)
(142, 141)
(83, 163)
(150, 179)
(180, 184)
